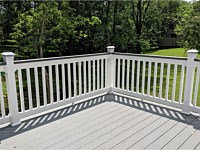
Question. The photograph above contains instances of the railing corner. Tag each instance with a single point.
(189, 81)
(110, 69)
(14, 115)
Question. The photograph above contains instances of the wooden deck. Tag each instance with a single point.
(101, 124)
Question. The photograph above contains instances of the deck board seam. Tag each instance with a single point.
(124, 131)
(103, 127)
(197, 146)
(90, 126)
(178, 133)
(99, 112)
(112, 129)
(198, 142)
(190, 137)
(149, 133)
(184, 142)
(67, 117)
(118, 108)
(164, 134)
(161, 135)
(117, 116)
(135, 133)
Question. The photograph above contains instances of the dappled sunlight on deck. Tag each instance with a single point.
(30, 124)
(107, 122)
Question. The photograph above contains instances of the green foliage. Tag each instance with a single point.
(189, 27)
(191, 33)
(46, 28)
(46, 25)
(35, 26)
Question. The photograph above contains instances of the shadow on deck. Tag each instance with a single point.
(187, 123)
(162, 112)
(30, 124)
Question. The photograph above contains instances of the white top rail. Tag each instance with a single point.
(22, 64)
(65, 80)
(58, 58)
(152, 58)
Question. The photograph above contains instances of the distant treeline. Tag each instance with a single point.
(52, 28)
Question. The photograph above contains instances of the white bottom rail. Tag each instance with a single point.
(149, 98)
(61, 104)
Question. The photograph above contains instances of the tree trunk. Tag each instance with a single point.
(42, 36)
(41, 51)
(139, 26)
(114, 22)
(138, 47)
(139, 13)
(106, 40)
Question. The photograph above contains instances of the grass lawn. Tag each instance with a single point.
(177, 52)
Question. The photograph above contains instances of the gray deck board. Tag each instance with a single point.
(119, 138)
(144, 142)
(69, 129)
(109, 119)
(79, 143)
(183, 136)
(192, 141)
(168, 136)
(69, 119)
(129, 141)
(197, 147)
(119, 124)
(54, 138)
(114, 132)
(57, 131)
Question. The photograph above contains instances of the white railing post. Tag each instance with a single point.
(189, 81)
(110, 69)
(8, 58)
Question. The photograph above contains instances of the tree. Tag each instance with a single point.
(189, 27)
(140, 9)
(10, 11)
(2, 9)
(51, 25)
(77, 27)
(35, 27)
(191, 33)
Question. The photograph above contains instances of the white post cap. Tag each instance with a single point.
(110, 49)
(9, 55)
(192, 51)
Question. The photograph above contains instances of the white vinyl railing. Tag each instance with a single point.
(58, 81)
(166, 80)
(151, 78)
(43, 84)
(30, 87)
(194, 87)
(4, 111)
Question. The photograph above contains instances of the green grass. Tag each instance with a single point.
(177, 52)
